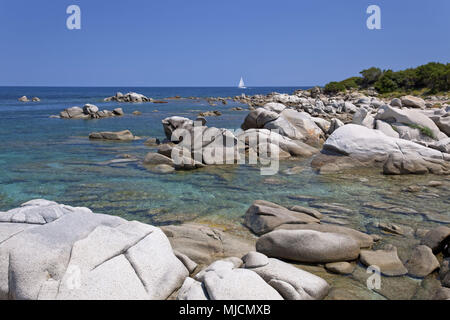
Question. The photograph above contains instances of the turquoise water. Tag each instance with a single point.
(43, 157)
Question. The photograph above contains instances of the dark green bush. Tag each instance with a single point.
(432, 77)
(334, 87)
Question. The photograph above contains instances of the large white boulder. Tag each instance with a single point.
(223, 280)
(409, 117)
(53, 251)
(291, 282)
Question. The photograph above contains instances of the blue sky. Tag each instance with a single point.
(213, 43)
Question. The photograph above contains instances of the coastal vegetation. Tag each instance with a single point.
(431, 78)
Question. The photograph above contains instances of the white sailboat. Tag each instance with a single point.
(241, 84)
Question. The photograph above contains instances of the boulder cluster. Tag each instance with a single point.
(214, 146)
(296, 234)
(54, 251)
(129, 97)
(25, 99)
(89, 111)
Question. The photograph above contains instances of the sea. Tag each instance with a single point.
(51, 158)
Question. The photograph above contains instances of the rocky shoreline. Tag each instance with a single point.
(294, 252)
(401, 136)
(54, 251)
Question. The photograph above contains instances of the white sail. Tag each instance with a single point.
(241, 84)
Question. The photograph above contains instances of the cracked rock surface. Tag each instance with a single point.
(53, 251)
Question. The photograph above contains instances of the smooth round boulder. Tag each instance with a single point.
(340, 267)
(422, 262)
(308, 246)
(254, 260)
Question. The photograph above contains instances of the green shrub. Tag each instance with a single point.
(423, 129)
(386, 83)
(430, 78)
(334, 87)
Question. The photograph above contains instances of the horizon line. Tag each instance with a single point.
(74, 86)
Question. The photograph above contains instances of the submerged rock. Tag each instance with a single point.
(387, 260)
(422, 262)
(264, 216)
(340, 267)
(124, 135)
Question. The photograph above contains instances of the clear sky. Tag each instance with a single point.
(213, 43)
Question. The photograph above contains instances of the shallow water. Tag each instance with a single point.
(42, 157)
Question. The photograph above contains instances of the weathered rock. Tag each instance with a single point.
(309, 211)
(172, 123)
(413, 102)
(364, 240)
(214, 113)
(192, 290)
(422, 262)
(363, 118)
(442, 294)
(289, 123)
(291, 282)
(444, 272)
(23, 99)
(437, 238)
(366, 147)
(72, 112)
(308, 246)
(340, 267)
(273, 106)
(334, 125)
(90, 109)
(203, 244)
(264, 216)
(118, 112)
(441, 145)
(255, 259)
(409, 117)
(387, 260)
(396, 102)
(162, 168)
(223, 281)
(293, 147)
(111, 257)
(152, 142)
(386, 128)
(129, 97)
(124, 135)
(153, 158)
(187, 262)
